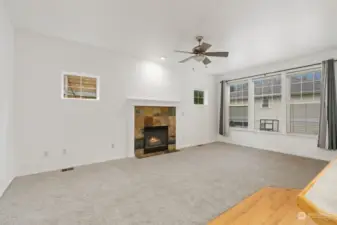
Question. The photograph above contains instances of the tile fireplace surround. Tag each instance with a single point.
(154, 116)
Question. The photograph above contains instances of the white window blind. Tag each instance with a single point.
(304, 118)
(238, 107)
(304, 102)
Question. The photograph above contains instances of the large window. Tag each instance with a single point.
(267, 103)
(304, 102)
(80, 86)
(287, 102)
(238, 107)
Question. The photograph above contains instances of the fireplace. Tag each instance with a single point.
(154, 130)
(155, 139)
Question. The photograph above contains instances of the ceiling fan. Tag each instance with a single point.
(200, 53)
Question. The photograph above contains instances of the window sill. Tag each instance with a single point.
(252, 130)
(239, 129)
(311, 136)
(272, 133)
(80, 99)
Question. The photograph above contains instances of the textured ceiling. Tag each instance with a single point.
(255, 32)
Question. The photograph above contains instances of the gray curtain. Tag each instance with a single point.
(327, 137)
(222, 108)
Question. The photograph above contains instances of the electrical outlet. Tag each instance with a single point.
(112, 145)
(46, 153)
(64, 151)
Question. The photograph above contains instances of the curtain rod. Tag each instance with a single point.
(278, 71)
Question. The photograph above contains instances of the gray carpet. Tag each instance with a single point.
(189, 187)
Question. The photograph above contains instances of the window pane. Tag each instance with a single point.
(267, 82)
(295, 79)
(258, 83)
(239, 94)
(73, 81)
(239, 87)
(89, 82)
(234, 95)
(307, 88)
(258, 91)
(295, 90)
(245, 94)
(277, 89)
(88, 93)
(238, 116)
(265, 102)
(239, 100)
(277, 80)
(277, 99)
(201, 94)
(307, 91)
(73, 93)
(266, 91)
(307, 77)
(196, 94)
(304, 118)
(318, 75)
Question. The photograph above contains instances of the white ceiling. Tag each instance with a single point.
(254, 31)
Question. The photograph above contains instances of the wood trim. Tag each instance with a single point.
(320, 216)
(267, 206)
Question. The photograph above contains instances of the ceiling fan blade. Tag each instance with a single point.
(187, 59)
(206, 61)
(217, 54)
(184, 52)
(205, 46)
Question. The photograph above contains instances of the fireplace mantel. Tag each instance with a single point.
(152, 101)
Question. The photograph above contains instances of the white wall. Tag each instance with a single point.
(6, 77)
(45, 124)
(302, 145)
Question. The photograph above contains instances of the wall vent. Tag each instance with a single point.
(67, 169)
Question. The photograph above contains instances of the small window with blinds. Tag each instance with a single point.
(304, 102)
(76, 86)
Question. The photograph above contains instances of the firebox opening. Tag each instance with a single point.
(156, 139)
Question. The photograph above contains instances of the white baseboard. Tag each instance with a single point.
(194, 145)
(280, 151)
(60, 167)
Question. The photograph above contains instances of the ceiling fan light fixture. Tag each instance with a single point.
(199, 58)
(200, 53)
